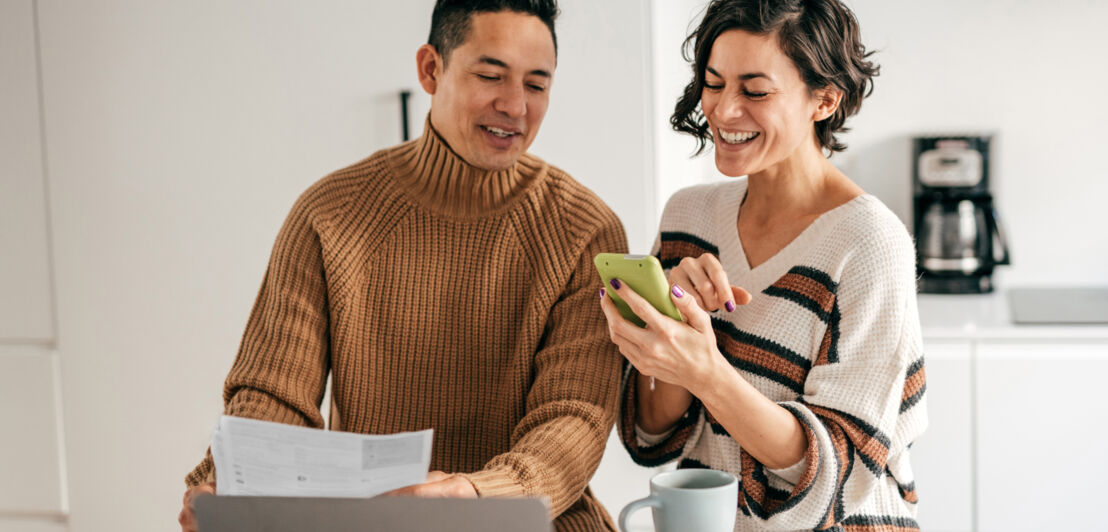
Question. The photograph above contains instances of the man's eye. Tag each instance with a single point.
(487, 78)
(537, 88)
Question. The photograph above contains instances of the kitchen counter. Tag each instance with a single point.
(987, 317)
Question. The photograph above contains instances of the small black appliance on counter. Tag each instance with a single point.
(959, 239)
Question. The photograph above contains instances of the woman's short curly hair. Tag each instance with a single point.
(822, 39)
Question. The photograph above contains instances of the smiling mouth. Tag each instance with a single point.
(502, 133)
(738, 137)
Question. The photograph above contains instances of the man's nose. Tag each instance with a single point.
(512, 101)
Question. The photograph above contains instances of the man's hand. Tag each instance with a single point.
(188, 523)
(439, 484)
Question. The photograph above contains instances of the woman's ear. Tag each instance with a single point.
(829, 99)
(428, 68)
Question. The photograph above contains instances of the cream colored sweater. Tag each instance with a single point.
(441, 296)
(832, 334)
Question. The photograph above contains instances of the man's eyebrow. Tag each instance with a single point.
(498, 63)
(743, 77)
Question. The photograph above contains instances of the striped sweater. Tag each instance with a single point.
(832, 335)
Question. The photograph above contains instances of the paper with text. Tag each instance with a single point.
(255, 457)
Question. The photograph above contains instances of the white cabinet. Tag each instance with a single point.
(25, 294)
(942, 456)
(1042, 427)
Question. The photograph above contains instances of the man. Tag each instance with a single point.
(447, 283)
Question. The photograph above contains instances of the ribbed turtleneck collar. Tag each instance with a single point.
(433, 175)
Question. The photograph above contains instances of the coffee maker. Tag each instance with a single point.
(959, 239)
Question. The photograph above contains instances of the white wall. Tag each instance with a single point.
(179, 134)
(1034, 72)
(26, 313)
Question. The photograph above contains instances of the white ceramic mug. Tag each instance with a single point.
(704, 500)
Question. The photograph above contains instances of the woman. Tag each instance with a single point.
(812, 391)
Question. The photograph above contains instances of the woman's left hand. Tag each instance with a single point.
(681, 353)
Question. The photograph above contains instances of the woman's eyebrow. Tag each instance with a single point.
(744, 77)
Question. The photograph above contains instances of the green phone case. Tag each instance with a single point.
(643, 273)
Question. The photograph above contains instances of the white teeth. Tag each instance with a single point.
(737, 137)
(498, 132)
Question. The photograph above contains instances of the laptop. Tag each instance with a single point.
(393, 514)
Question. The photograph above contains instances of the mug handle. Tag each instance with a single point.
(651, 501)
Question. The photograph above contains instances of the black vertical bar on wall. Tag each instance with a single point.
(404, 95)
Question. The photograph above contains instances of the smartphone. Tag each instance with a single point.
(643, 273)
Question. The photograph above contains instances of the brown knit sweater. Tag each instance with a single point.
(443, 296)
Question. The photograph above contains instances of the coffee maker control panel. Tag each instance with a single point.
(951, 163)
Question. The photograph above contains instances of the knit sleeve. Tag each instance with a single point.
(281, 368)
(570, 407)
(852, 396)
(657, 451)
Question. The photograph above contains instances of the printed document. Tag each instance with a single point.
(263, 458)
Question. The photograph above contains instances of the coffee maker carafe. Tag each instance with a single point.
(959, 239)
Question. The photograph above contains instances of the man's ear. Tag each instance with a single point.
(429, 68)
(829, 99)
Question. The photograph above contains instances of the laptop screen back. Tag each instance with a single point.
(394, 514)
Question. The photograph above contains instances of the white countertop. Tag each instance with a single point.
(987, 317)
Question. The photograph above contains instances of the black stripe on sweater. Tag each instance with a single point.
(764, 344)
(689, 463)
(669, 237)
(907, 491)
(799, 299)
(679, 236)
(879, 520)
(818, 276)
(911, 400)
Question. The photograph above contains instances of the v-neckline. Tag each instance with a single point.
(769, 271)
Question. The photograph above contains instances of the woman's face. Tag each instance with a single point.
(759, 109)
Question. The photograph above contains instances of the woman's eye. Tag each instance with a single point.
(713, 87)
(755, 95)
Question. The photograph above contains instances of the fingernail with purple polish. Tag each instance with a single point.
(730, 306)
(615, 283)
(677, 291)
(601, 292)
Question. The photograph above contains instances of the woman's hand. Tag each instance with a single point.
(680, 353)
(703, 278)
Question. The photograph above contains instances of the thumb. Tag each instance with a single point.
(695, 316)
(435, 476)
(741, 296)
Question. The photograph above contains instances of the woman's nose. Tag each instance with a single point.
(730, 106)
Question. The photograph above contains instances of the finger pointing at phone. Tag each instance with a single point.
(705, 280)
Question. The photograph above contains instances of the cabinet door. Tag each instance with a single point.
(941, 457)
(1041, 436)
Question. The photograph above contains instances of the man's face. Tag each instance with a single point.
(489, 100)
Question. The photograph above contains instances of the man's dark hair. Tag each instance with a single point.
(450, 21)
(822, 39)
